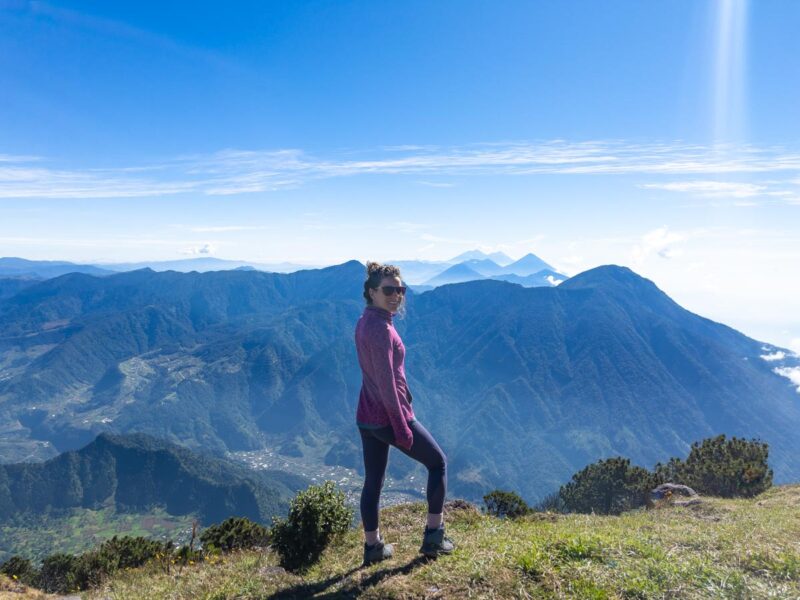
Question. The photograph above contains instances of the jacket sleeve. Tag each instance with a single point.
(381, 357)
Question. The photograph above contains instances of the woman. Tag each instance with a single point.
(385, 417)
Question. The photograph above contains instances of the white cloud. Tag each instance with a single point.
(409, 148)
(553, 281)
(227, 228)
(27, 182)
(232, 171)
(437, 184)
(791, 373)
(17, 158)
(777, 355)
(660, 241)
(202, 250)
(711, 188)
(95, 242)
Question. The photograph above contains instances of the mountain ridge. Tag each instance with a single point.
(137, 472)
(549, 379)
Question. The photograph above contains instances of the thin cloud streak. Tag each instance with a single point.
(17, 159)
(711, 188)
(234, 172)
(715, 189)
(229, 228)
(96, 242)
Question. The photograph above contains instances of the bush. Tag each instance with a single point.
(502, 504)
(125, 552)
(316, 516)
(722, 467)
(607, 487)
(130, 552)
(59, 574)
(91, 568)
(236, 533)
(20, 569)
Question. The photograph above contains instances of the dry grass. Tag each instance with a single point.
(719, 549)
(13, 590)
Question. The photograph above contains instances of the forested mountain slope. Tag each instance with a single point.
(523, 386)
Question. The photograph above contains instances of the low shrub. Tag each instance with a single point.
(58, 574)
(126, 552)
(129, 552)
(723, 467)
(235, 533)
(500, 503)
(316, 516)
(20, 569)
(607, 487)
(91, 568)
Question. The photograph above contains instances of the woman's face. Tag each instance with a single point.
(391, 302)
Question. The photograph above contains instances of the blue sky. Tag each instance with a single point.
(659, 135)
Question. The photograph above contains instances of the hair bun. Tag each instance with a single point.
(373, 267)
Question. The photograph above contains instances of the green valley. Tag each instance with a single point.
(81, 529)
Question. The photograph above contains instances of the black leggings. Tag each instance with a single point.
(376, 444)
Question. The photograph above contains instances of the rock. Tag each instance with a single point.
(666, 490)
(458, 505)
(271, 571)
(691, 502)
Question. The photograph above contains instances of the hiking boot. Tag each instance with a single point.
(435, 542)
(377, 552)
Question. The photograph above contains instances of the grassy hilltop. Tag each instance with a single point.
(718, 549)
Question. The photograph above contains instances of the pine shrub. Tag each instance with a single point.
(59, 574)
(129, 552)
(20, 569)
(126, 552)
(607, 487)
(235, 533)
(723, 467)
(500, 503)
(316, 516)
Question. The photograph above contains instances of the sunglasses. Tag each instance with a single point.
(388, 290)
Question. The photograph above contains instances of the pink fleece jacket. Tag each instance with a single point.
(384, 399)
